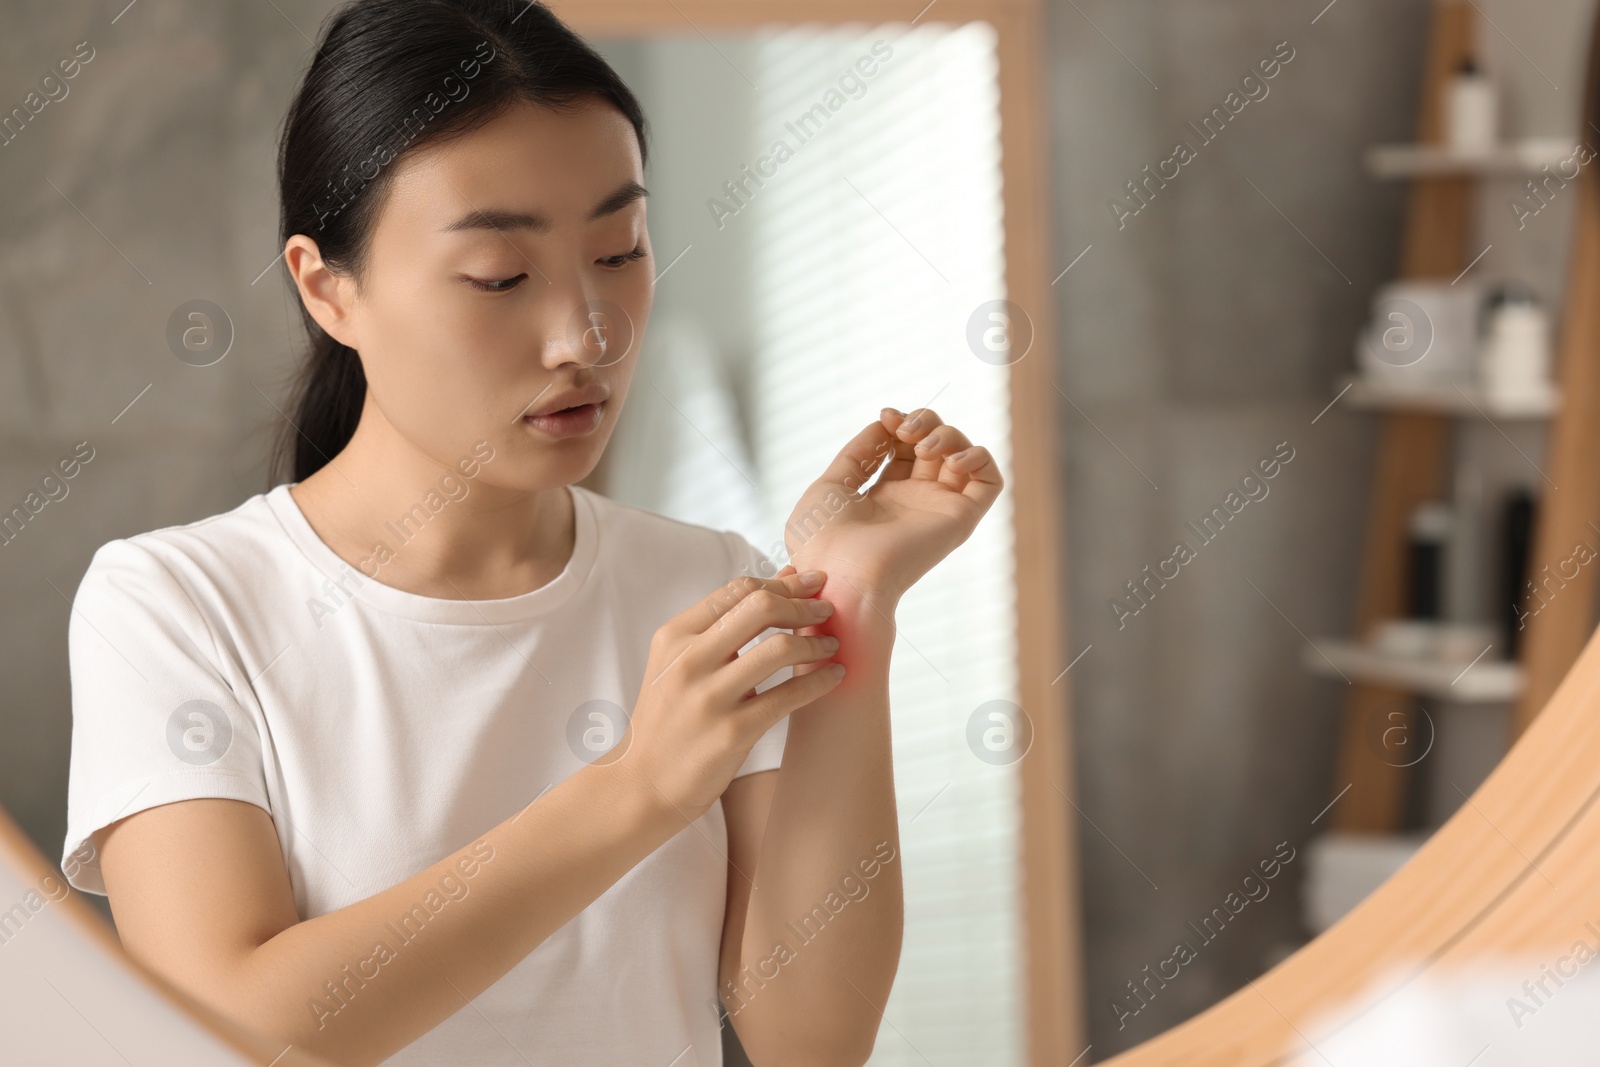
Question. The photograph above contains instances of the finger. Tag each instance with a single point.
(899, 453)
(770, 655)
(932, 449)
(861, 456)
(984, 480)
(707, 612)
(917, 424)
(787, 696)
(753, 615)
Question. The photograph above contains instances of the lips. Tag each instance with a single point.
(573, 413)
(576, 398)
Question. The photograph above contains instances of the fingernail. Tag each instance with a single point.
(821, 608)
(811, 578)
(830, 642)
(837, 669)
(896, 411)
(957, 455)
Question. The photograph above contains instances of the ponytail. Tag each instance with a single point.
(325, 407)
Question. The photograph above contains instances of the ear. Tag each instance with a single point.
(329, 297)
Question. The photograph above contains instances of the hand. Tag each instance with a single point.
(698, 714)
(936, 487)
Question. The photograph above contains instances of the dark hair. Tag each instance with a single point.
(384, 82)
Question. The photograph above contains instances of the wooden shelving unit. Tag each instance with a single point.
(1415, 447)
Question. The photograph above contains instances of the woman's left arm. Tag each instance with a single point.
(816, 909)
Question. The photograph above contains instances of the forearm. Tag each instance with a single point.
(326, 986)
(827, 882)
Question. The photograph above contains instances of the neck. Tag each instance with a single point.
(419, 522)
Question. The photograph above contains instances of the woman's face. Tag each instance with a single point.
(510, 275)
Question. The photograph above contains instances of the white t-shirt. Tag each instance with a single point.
(383, 730)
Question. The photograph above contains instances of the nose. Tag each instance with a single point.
(583, 328)
(596, 333)
(558, 354)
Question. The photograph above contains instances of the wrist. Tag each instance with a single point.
(847, 588)
(635, 798)
(865, 603)
(863, 620)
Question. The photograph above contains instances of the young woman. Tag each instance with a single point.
(430, 755)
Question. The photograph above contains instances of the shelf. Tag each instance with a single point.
(1449, 399)
(1488, 681)
(1527, 156)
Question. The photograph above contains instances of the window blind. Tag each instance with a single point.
(874, 243)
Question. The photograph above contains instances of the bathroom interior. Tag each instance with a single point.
(1279, 320)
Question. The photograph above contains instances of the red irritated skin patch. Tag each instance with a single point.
(864, 627)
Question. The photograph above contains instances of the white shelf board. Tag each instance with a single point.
(1465, 400)
(1527, 156)
(1487, 681)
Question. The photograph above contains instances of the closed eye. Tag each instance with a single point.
(639, 252)
(505, 285)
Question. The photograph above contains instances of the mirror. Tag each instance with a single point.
(878, 250)
(1261, 841)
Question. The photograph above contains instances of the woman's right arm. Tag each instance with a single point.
(221, 921)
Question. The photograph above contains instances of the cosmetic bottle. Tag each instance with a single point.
(1516, 540)
(1470, 111)
(1431, 526)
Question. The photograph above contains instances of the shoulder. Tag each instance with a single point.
(206, 555)
(636, 538)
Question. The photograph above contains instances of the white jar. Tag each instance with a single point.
(1514, 360)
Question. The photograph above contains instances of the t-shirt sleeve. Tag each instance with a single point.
(767, 755)
(154, 718)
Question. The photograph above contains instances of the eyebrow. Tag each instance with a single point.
(501, 219)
